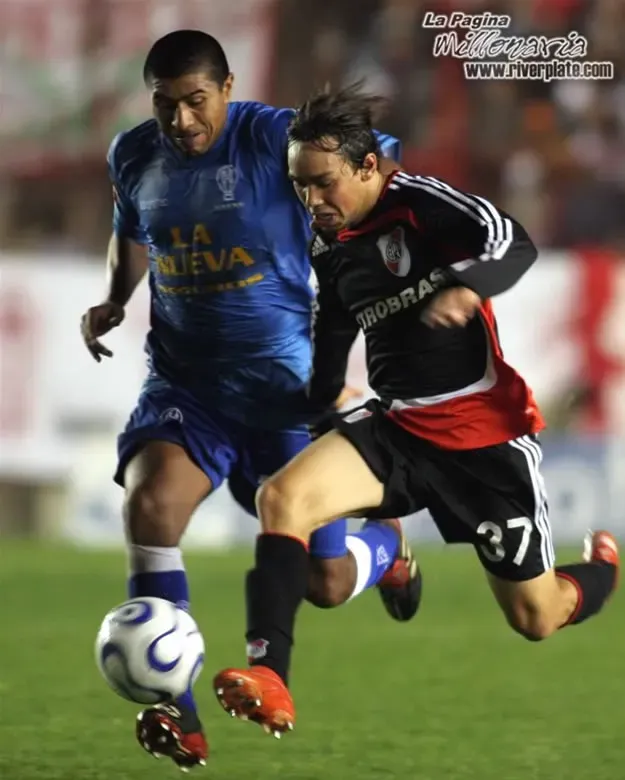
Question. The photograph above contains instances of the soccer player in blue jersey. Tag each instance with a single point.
(203, 203)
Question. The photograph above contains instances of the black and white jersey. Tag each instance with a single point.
(449, 385)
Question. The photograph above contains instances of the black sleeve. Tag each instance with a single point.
(334, 332)
(485, 249)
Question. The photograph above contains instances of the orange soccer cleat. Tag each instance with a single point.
(257, 694)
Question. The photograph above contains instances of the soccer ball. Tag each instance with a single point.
(149, 650)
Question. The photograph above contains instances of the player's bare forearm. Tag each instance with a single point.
(126, 265)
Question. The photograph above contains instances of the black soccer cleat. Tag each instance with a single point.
(173, 731)
(400, 587)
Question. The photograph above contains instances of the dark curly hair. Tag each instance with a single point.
(340, 122)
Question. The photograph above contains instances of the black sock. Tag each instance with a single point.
(275, 588)
(594, 582)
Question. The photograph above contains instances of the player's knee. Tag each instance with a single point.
(531, 620)
(151, 516)
(329, 582)
(282, 507)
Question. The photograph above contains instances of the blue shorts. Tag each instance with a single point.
(224, 449)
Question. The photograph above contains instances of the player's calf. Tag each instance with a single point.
(377, 555)
(538, 607)
(163, 487)
(331, 581)
(566, 595)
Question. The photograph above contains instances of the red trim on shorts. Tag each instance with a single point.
(288, 536)
(580, 596)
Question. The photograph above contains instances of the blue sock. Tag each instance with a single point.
(159, 572)
(374, 547)
(168, 585)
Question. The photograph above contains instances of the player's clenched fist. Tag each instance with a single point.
(97, 321)
(452, 308)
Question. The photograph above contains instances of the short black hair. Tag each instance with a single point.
(340, 122)
(186, 51)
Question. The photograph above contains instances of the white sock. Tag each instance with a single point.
(158, 572)
(144, 559)
(362, 555)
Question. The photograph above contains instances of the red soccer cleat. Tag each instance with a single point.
(400, 587)
(602, 547)
(257, 694)
(169, 730)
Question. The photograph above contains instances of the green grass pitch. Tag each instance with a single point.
(453, 695)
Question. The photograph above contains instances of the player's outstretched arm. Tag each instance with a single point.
(127, 256)
(126, 265)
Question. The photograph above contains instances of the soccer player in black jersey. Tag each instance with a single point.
(413, 262)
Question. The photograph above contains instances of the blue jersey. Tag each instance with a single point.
(229, 272)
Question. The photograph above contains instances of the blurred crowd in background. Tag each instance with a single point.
(553, 154)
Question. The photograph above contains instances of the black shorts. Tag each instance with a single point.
(493, 498)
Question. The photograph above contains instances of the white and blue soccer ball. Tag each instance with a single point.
(149, 650)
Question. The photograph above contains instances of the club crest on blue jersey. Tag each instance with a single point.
(227, 177)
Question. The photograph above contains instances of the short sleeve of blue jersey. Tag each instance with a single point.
(126, 223)
(269, 128)
(271, 124)
(389, 146)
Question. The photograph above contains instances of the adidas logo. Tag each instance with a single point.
(319, 246)
(381, 556)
